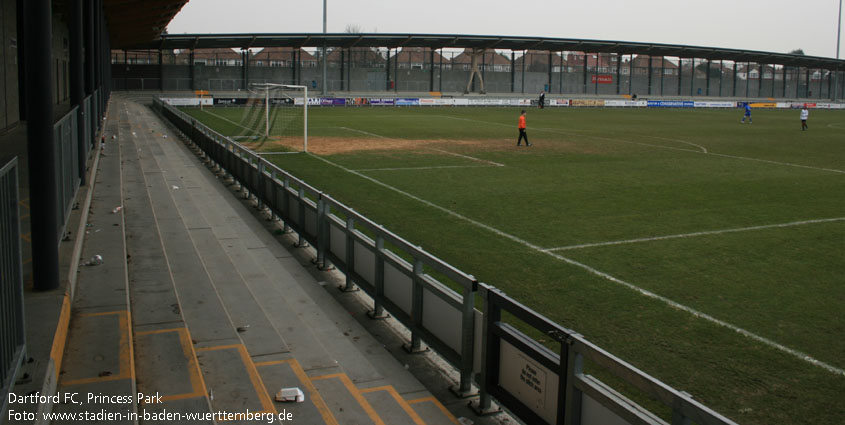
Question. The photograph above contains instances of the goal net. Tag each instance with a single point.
(275, 118)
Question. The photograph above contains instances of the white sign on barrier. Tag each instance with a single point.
(531, 383)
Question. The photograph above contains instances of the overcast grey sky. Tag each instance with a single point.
(771, 25)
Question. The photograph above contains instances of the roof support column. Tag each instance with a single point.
(560, 73)
(692, 79)
(524, 58)
(733, 89)
(662, 72)
(38, 28)
(387, 71)
(680, 74)
(192, 69)
(618, 74)
(707, 75)
(585, 72)
(77, 82)
(431, 70)
(550, 72)
(245, 68)
(650, 66)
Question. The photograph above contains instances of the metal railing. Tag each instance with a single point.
(538, 385)
(66, 140)
(12, 330)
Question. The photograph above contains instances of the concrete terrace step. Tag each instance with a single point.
(222, 315)
(97, 364)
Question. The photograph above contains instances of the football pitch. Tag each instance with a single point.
(708, 253)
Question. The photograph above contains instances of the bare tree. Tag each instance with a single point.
(797, 52)
(353, 29)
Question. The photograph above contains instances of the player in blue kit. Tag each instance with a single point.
(747, 113)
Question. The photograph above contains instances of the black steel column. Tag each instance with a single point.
(733, 89)
(387, 82)
(43, 192)
(77, 83)
(191, 67)
(160, 70)
(513, 71)
(98, 58)
(342, 68)
(21, 33)
(585, 72)
(618, 73)
(707, 74)
(650, 66)
(550, 72)
(245, 59)
(431, 76)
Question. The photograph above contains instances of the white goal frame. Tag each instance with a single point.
(266, 87)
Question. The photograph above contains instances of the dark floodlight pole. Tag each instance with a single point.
(325, 59)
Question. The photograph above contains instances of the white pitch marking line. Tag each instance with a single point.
(362, 132)
(423, 168)
(795, 353)
(695, 234)
(230, 121)
(468, 157)
(278, 153)
(833, 170)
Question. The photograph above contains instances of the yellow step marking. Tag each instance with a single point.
(355, 393)
(439, 406)
(60, 338)
(26, 237)
(314, 395)
(404, 404)
(126, 362)
(24, 203)
(197, 383)
(253, 374)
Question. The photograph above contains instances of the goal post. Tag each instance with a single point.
(276, 113)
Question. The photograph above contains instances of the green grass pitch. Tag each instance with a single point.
(737, 231)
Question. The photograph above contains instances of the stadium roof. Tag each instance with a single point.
(437, 41)
(133, 22)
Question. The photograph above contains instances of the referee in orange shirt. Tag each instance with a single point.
(522, 134)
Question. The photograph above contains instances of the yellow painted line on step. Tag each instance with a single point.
(60, 338)
(404, 404)
(257, 383)
(314, 395)
(24, 203)
(355, 393)
(194, 374)
(439, 406)
(26, 237)
(125, 354)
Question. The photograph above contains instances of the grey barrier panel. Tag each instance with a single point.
(12, 327)
(397, 287)
(337, 241)
(440, 317)
(365, 265)
(593, 413)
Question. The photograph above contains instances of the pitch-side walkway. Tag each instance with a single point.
(205, 310)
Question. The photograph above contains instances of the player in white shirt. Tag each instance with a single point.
(804, 115)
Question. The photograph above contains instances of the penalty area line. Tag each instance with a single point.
(795, 353)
